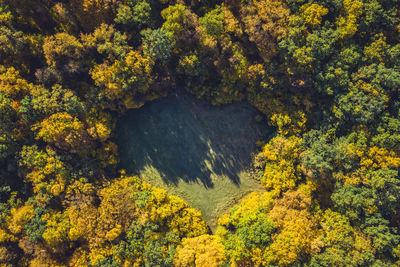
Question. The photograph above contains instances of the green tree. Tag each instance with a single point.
(213, 22)
(7, 121)
(136, 15)
(158, 44)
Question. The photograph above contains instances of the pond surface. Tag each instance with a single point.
(197, 151)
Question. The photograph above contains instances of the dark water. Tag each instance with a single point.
(186, 138)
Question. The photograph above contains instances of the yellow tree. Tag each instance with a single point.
(61, 49)
(282, 168)
(204, 250)
(266, 23)
(12, 84)
(126, 79)
(92, 13)
(297, 229)
(44, 170)
(64, 131)
(313, 13)
(347, 22)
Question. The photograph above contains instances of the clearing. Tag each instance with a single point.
(194, 150)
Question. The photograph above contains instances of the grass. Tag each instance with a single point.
(194, 150)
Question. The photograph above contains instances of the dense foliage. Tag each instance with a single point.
(325, 73)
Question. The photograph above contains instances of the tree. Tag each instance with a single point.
(297, 229)
(19, 217)
(246, 230)
(36, 226)
(313, 13)
(266, 23)
(125, 79)
(12, 84)
(137, 15)
(44, 169)
(204, 250)
(7, 121)
(63, 50)
(174, 16)
(55, 235)
(12, 43)
(158, 44)
(213, 22)
(107, 41)
(43, 102)
(64, 131)
(343, 245)
(384, 238)
(348, 21)
(92, 13)
(359, 107)
(282, 169)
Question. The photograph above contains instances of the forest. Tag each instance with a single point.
(324, 74)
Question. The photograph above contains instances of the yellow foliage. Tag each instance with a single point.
(176, 214)
(231, 23)
(313, 13)
(97, 4)
(100, 253)
(373, 91)
(298, 229)
(108, 154)
(274, 15)
(248, 205)
(12, 84)
(282, 169)
(354, 178)
(45, 260)
(348, 21)
(114, 233)
(83, 221)
(174, 16)
(376, 50)
(19, 217)
(61, 45)
(103, 76)
(64, 130)
(100, 124)
(139, 66)
(289, 124)
(337, 231)
(46, 171)
(57, 228)
(118, 207)
(125, 77)
(377, 157)
(4, 236)
(303, 56)
(204, 250)
(117, 204)
(78, 258)
(266, 23)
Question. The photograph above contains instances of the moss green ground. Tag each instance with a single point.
(197, 151)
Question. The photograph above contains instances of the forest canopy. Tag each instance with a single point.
(325, 74)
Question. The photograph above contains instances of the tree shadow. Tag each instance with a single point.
(188, 139)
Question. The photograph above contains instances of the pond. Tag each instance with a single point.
(197, 151)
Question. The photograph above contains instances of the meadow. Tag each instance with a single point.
(194, 150)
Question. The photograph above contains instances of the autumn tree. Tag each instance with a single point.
(204, 250)
(266, 23)
(125, 79)
(64, 131)
(63, 51)
(158, 44)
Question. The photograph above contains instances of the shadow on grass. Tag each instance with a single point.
(187, 139)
